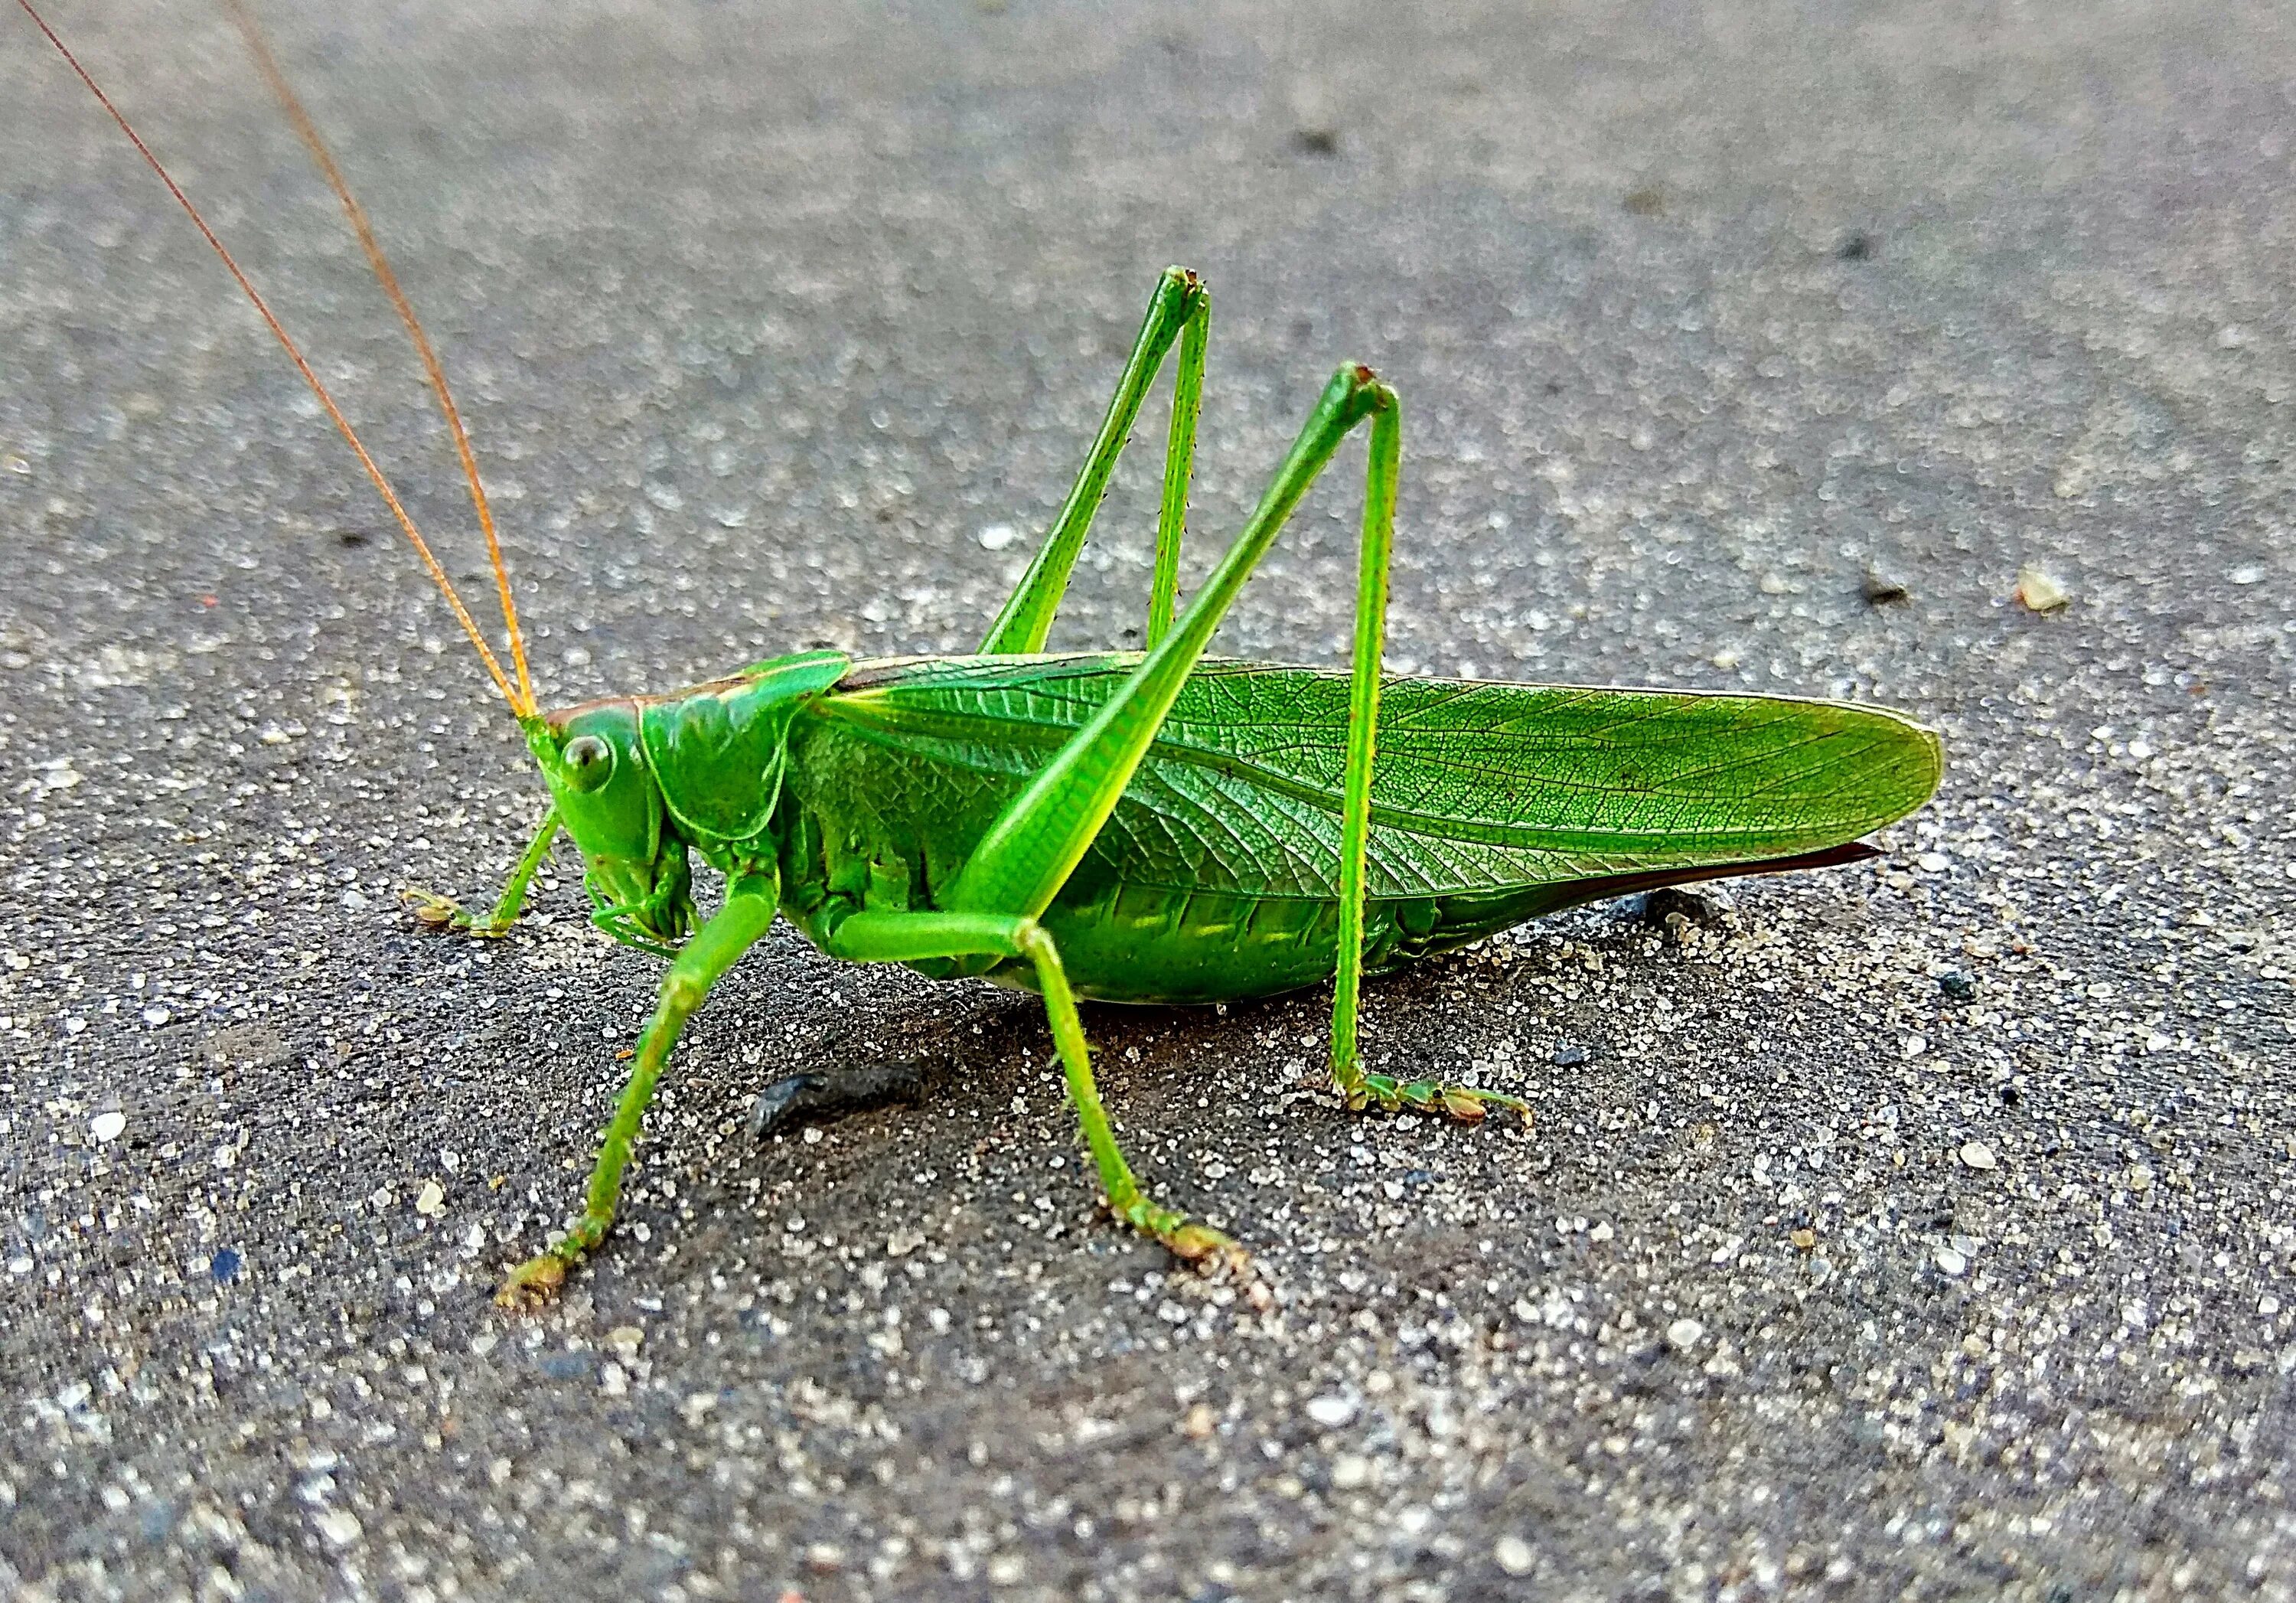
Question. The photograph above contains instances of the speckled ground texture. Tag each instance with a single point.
(1921, 1229)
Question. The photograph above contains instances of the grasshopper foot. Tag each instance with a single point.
(1385, 1094)
(433, 911)
(794, 1098)
(535, 1284)
(1183, 1236)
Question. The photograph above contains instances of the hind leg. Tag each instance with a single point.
(1180, 309)
(1363, 1091)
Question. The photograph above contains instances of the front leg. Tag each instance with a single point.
(747, 915)
(437, 912)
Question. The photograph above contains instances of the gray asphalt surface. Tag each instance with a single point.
(1921, 1229)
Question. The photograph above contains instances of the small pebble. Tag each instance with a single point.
(997, 537)
(339, 1527)
(2038, 592)
(1331, 1411)
(1977, 1154)
(1569, 1056)
(625, 1340)
(1351, 1472)
(431, 1199)
(1514, 1555)
(1199, 1423)
(1683, 1334)
(1956, 985)
(107, 1126)
(1951, 1261)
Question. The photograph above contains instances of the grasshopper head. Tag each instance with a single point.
(634, 859)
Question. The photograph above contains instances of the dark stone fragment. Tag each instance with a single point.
(824, 1093)
(1662, 904)
(1883, 589)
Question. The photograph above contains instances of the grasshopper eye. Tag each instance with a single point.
(588, 762)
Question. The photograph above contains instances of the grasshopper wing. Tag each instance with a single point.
(1477, 788)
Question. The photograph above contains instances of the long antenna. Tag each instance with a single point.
(523, 707)
(308, 131)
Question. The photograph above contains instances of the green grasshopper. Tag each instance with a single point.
(1144, 826)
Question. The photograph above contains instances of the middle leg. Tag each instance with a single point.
(911, 937)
